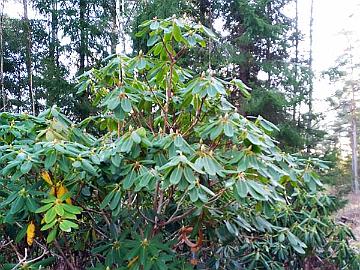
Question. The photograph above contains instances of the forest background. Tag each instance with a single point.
(285, 55)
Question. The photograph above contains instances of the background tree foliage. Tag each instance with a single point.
(168, 175)
(257, 37)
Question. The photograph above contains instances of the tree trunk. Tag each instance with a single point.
(82, 48)
(268, 47)
(354, 138)
(54, 33)
(121, 24)
(206, 18)
(354, 144)
(311, 82)
(2, 94)
(296, 85)
(204, 8)
(19, 101)
(111, 7)
(28, 56)
(54, 64)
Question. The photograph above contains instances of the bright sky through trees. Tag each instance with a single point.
(331, 18)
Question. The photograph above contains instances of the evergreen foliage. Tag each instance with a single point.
(256, 37)
(168, 176)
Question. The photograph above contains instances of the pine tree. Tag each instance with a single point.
(311, 80)
(2, 90)
(344, 101)
(27, 31)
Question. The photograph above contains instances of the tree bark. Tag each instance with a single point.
(354, 143)
(82, 47)
(268, 48)
(54, 63)
(354, 138)
(311, 80)
(54, 33)
(121, 24)
(111, 7)
(296, 85)
(19, 101)
(27, 31)
(3, 94)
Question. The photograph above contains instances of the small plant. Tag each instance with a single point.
(169, 176)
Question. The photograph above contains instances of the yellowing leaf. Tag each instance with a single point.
(46, 177)
(30, 233)
(132, 261)
(53, 191)
(68, 201)
(61, 191)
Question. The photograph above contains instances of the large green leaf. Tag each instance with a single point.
(176, 175)
(50, 215)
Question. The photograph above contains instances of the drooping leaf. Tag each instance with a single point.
(176, 175)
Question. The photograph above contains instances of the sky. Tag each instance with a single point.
(331, 17)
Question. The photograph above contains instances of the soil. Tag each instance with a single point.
(350, 215)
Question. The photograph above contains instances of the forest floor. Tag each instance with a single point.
(350, 215)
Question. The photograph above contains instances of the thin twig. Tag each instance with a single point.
(37, 258)
(58, 247)
(21, 261)
(180, 53)
(197, 116)
(5, 244)
(179, 204)
(145, 217)
(169, 87)
(188, 212)
(157, 188)
(16, 251)
(152, 91)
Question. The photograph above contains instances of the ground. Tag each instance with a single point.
(350, 215)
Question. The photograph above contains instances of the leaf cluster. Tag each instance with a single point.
(169, 176)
